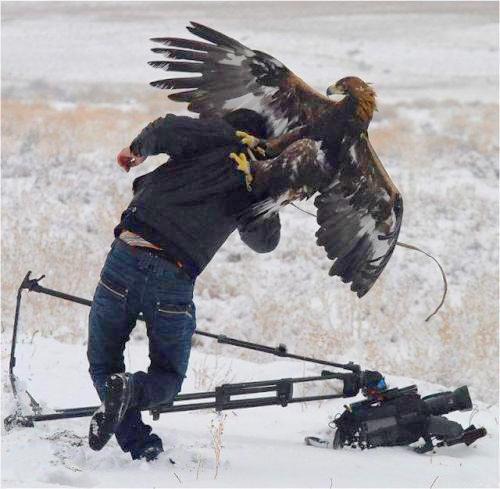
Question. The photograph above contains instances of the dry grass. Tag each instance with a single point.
(80, 127)
(208, 374)
(217, 430)
(62, 196)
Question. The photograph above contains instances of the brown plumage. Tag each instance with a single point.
(320, 145)
(363, 95)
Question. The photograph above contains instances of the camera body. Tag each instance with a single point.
(400, 417)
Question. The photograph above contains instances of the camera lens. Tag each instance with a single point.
(463, 399)
(446, 402)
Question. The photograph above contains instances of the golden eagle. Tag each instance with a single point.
(322, 145)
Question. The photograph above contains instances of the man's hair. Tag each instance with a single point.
(248, 121)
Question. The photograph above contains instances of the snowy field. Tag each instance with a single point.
(261, 447)
(75, 91)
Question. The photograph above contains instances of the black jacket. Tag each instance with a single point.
(192, 203)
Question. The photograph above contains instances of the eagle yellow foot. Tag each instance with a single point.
(252, 142)
(243, 165)
(248, 139)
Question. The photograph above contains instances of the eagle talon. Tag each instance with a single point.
(243, 165)
(248, 139)
(261, 151)
(252, 142)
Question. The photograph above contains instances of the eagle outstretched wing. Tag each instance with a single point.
(359, 215)
(359, 208)
(234, 76)
(323, 146)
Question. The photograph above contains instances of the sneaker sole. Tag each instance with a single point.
(101, 428)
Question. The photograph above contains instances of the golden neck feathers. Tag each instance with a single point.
(365, 104)
(362, 95)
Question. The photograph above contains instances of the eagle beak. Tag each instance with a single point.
(335, 93)
(331, 90)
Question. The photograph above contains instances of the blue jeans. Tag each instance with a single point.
(134, 280)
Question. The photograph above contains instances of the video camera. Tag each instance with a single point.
(392, 417)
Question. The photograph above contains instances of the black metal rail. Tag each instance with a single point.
(280, 350)
(223, 395)
(221, 400)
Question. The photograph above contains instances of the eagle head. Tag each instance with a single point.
(356, 89)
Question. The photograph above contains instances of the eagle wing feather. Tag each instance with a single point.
(234, 76)
(360, 210)
(359, 215)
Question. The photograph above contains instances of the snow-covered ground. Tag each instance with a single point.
(75, 91)
(261, 447)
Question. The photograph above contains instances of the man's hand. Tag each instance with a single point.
(126, 159)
